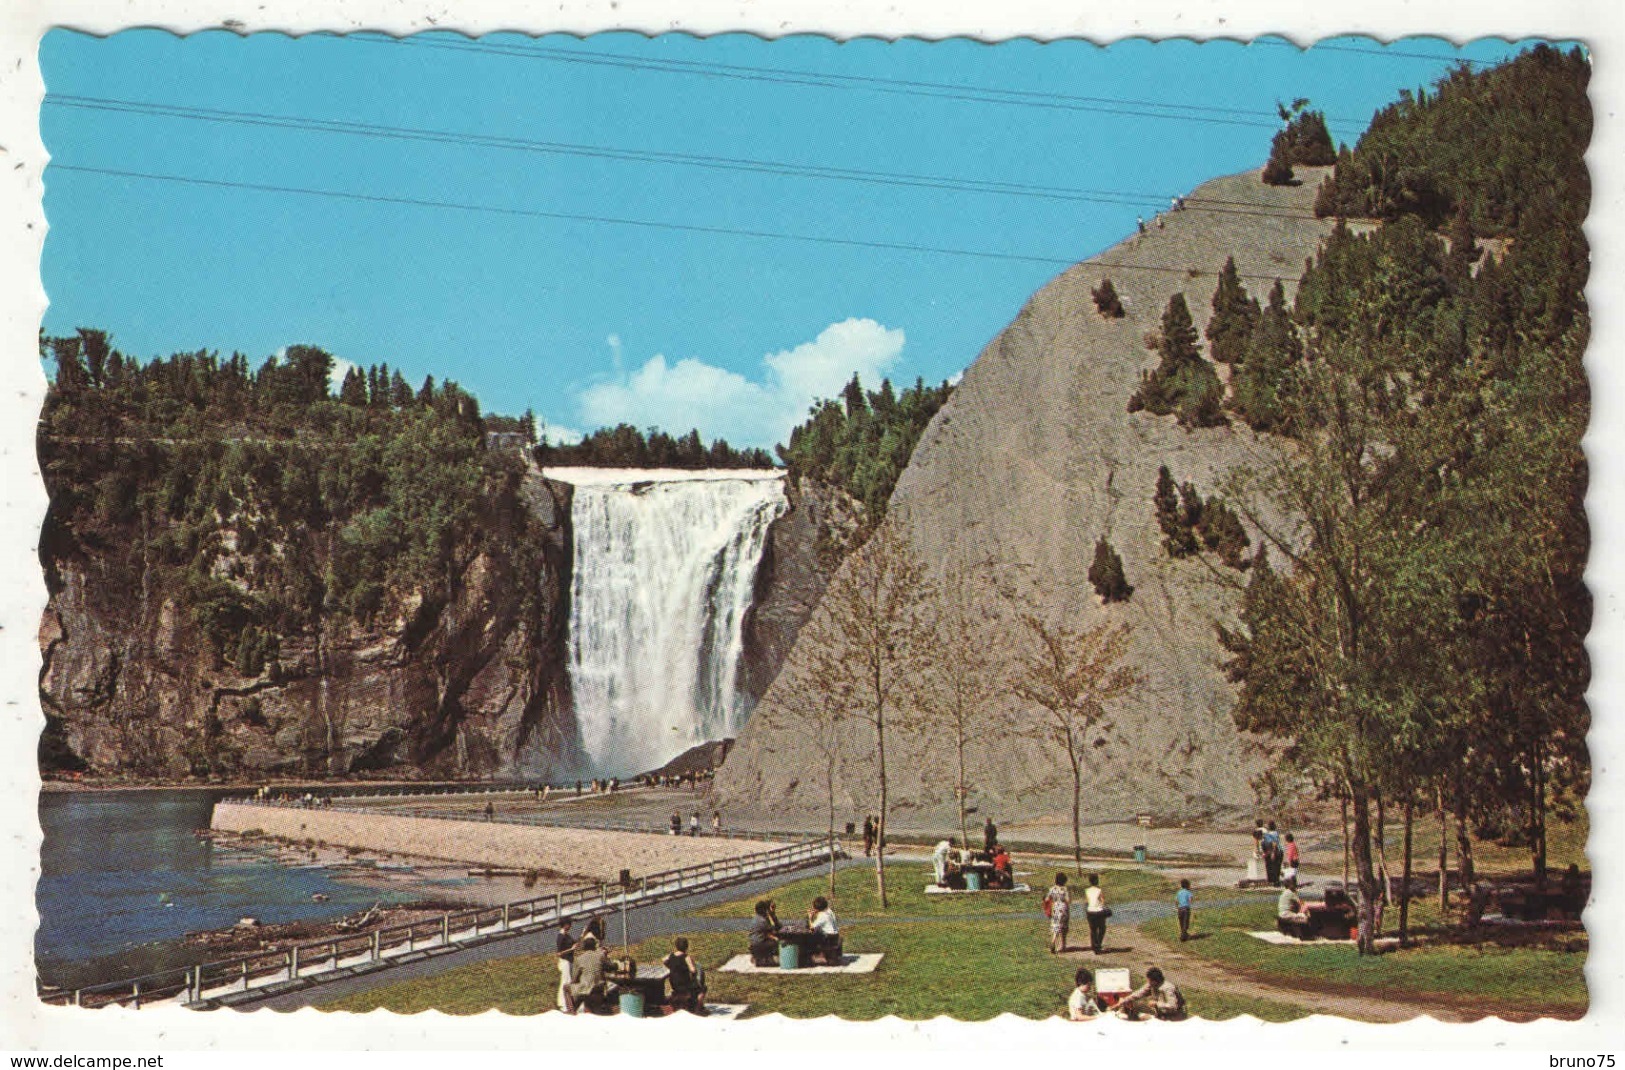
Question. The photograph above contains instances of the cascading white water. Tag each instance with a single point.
(664, 571)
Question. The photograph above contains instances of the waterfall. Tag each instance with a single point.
(663, 574)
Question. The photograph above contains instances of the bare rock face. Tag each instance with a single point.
(471, 685)
(804, 547)
(1032, 459)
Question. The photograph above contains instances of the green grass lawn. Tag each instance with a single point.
(1545, 977)
(968, 969)
(855, 895)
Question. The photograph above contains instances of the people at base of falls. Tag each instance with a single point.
(716, 822)
(1158, 997)
(564, 947)
(676, 823)
(1083, 1004)
(694, 823)
(764, 934)
(685, 978)
(587, 982)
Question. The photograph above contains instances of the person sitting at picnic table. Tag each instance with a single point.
(764, 934)
(1156, 997)
(1058, 906)
(1290, 916)
(1082, 1005)
(821, 920)
(686, 979)
(588, 984)
(1003, 874)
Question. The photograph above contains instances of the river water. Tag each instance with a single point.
(124, 878)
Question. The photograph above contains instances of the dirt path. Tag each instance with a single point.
(1336, 1000)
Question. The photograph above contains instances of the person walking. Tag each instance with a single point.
(716, 822)
(694, 823)
(676, 823)
(1182, 906)
(990, 835)
(1095, 909)
(868, 836)
(1058, 905)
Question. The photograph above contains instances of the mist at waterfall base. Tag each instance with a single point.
(663, 576)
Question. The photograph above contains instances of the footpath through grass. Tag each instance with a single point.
(1548, 977)
(855, 895)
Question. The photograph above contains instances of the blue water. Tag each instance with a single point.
(124, 878)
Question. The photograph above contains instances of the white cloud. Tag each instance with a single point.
(726, 404)
(559, 435)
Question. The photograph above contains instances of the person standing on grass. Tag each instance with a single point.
(1272, 854)
(694, 823)
(1058, 905)
(1095, 909)
(990, 835)
(868, 836)
(564, 947)
(1289, 874)
(1182, 906)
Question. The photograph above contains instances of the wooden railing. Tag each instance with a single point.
(375, 948)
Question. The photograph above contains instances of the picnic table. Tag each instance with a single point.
(808, 942)
(649, 979)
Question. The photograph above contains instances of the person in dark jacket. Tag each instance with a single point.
(686, 979)
(764, 934)
(990, 835)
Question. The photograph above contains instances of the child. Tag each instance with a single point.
(1182, 903)
(1082, 1005)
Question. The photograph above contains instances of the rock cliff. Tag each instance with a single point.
(471, 684)
(1032, 459)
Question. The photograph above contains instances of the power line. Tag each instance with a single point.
(921, 181)
(693, 228)
(897, 86)
(1387, 53)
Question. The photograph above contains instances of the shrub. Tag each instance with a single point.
(1107, 303)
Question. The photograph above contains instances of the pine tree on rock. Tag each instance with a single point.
(1235, 314)
(1107, 303)
(1177, 537)
(1106, 574)
(1262, 386)
(1278, 168)
(1183, 382)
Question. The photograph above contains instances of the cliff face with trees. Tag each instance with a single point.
(1346, 541)
(248, 576)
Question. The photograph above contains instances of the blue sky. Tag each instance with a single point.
(534, 301)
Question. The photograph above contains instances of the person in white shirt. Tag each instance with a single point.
(1082, 1005)
(939, 862)
(821, 920)
(1094, 908)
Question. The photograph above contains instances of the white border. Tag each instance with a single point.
(24, 1025)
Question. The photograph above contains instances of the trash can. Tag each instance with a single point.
(1139, 852)
(632, 1004)
(973, 882)
(789, 956)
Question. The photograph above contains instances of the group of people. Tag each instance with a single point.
(584, 972)
(694, 823)
(951, 864)
(1157, 998)
(767, 932)
(1057, 906)
(1278, 852)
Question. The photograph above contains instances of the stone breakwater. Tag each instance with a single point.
(591, 854)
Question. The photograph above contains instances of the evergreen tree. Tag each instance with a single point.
(1235, 314)
(1262, 385)
(1183, 383)
(1106, 574)
(1222, 532)
(1178, 538)
(1278, 168)
(1107, 303)
(353, 391)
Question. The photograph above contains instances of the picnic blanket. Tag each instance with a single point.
(935, 889)
(1281, 939)
(849, 964)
